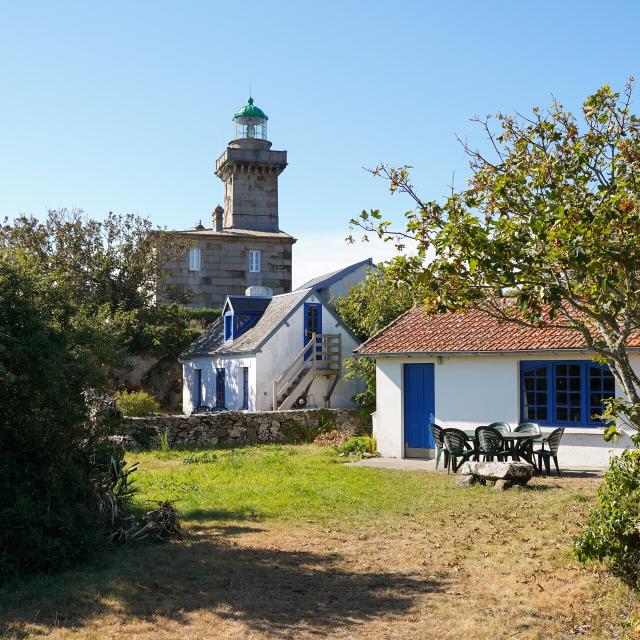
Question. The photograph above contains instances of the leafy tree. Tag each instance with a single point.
(545, 233)
(366, 309)
(99, 281)
(47, 507)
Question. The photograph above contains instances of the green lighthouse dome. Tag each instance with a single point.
(250, 111)
(251, 122)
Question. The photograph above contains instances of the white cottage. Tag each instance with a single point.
(336, 284)
(270, 353)
(467, 369)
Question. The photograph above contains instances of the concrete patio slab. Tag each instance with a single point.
(415, 464)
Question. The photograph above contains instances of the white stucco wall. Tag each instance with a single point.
(233, 382)
(475, 390)
(285, 344)
(340, 287)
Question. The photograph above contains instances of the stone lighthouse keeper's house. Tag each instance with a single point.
(244, 246)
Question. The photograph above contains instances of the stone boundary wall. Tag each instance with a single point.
(234, 427)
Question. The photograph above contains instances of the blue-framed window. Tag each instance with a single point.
(235, 324)
(564, 392)
(228, 326)
(220, 386)
(245, 387)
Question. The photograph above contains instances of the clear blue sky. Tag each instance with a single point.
(125, 105)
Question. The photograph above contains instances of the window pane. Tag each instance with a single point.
(602, 385)
(535, 394)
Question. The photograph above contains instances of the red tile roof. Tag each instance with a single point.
(467, 332)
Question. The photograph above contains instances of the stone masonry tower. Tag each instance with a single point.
(250, 170)
(245, 246)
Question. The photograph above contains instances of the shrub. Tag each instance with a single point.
(612, 532)
(138, 403)
(48, 510)
(299, 432)
(325, 420)
(359, 444)
(201, 457)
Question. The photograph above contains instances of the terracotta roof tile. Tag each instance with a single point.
(464, 332)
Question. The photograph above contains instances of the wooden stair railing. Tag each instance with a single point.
(297, 378)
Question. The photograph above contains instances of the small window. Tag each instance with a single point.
(195, 259)
(228, 326)
(245, 387)
(220, 388)
(254, 261)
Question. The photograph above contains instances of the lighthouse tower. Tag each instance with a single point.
(249, 169)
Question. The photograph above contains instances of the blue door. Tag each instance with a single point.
(312, 324)
(419, 409)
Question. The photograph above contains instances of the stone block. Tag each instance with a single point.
(510, 472)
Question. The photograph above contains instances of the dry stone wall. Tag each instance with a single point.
(235, 427)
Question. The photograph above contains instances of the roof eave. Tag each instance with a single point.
(433, 354)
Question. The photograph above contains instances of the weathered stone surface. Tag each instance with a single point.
(466, 480)
(503, 485)
(230, 427)
(517, 472)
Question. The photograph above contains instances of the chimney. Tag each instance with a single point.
(259, 292)
(218, 215)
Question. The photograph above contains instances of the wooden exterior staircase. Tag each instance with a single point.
(321, 356)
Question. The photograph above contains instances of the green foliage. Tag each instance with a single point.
(365, 369)
(48, 510)
(612, 532)
(164, 442)
(325, 420)
(550, 216)
(378, 300)
(296, 432)
(359, 444)
(201, 457)
(366, 309)
(137, 403)
(203, 315)
(99, 280)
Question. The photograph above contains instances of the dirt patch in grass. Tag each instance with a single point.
(480, 565)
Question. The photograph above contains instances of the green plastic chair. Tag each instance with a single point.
(440, 445)
(528, 427)
(458, 446)
(502, 427)
(544, 455)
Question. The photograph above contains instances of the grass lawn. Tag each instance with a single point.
(287, 542)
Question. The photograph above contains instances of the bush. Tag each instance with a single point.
(612, 532)
(48, 509)
(138, 403)
(299, 432)
(201, 457)
(359, 444)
